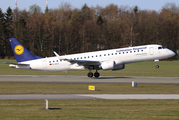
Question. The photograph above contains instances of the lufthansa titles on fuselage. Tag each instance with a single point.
(130, 49)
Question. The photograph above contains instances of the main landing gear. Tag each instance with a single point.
(96, 74)
(156, 65)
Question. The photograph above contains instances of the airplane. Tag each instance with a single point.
(113, 59)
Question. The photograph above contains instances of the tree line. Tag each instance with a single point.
(68, 30)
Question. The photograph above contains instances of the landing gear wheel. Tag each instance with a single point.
(157, 66)
(96, 74)
(90, 74)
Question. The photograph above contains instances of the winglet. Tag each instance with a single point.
(59, 57)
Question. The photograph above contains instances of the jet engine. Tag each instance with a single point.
(111, 65)
(119, 67)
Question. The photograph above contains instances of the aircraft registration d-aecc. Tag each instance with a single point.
(113, 59)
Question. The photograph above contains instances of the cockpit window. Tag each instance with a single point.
(161, 48)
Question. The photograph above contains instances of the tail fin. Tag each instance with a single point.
(20, 52)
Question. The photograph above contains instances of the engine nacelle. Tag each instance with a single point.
(111, 65)
(119, 67)
(108, 65)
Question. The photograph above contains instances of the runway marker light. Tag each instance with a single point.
(91, 87)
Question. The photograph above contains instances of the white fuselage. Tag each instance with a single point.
(120, 56)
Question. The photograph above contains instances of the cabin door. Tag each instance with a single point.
(151, 50)
(44, 62)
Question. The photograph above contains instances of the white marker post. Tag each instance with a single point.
(134, 84)
(46, 104)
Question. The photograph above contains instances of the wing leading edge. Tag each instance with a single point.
(80, 62)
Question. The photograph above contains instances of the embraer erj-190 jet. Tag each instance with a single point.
(114, 59)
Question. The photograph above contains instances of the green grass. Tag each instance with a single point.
(90, 110)
(167, 69)
(75, 88)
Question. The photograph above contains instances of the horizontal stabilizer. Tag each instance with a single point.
(16, 64)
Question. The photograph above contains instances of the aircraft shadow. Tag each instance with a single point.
(114, 78)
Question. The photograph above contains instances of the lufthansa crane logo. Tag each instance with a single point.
(19, 49)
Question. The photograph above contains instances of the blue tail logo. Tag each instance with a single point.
(20, 52)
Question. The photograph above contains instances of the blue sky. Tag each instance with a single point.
(142, 4)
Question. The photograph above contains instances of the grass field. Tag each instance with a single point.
(167, 69)
(92, 109)
(75, 88)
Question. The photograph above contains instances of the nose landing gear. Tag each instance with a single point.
(156, 65)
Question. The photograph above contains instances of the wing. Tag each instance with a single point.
(80, 62)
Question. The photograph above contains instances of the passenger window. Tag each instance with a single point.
(108, 54)
(49, 61)
(104, 54)
(126, 52)
(96, 55)
(57, 60)
(112, 54)
(130, 51)
(115, 53)
(84, 57)
(100, 55)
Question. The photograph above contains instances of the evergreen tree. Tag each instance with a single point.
(8, 31)
(99, 20)
(8, 23)
(135, 9)
(46, 10)
(1, 32)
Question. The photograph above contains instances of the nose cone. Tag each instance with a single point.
(171, 53)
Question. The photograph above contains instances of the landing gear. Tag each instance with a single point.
(156, 65)
(90, 74)
(96, 74)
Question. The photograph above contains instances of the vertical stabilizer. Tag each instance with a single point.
(20, 52)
